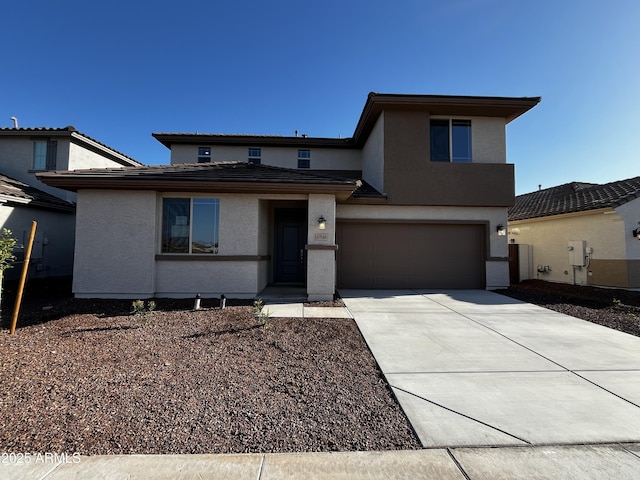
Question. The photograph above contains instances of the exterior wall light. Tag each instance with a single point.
(501, 229)
(636, 233)
(322, 223)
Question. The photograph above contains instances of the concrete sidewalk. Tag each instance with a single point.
(476, 369)
(592, 462)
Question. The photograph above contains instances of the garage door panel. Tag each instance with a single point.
(397, 255)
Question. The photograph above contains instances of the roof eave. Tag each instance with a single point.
(168, 139)
(508, 108)
(74, 184)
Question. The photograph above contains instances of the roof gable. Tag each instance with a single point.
(574, 197)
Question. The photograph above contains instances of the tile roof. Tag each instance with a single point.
(229, 177)
(16, 192)
(216, 171)
(574, 197)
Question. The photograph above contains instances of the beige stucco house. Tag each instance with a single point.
(579, 233)
(416, 198)
(24, 199)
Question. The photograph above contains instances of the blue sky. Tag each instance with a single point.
(119, 71)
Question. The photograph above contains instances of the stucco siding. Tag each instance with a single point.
(630, 215)
(411, 178)
(115, 243)
(488, 140)
(80, 158)
(17, 162)
(602, 232)
(52, 252)
(373, 156)
(321, 158)
(239, 233)
(209, 278)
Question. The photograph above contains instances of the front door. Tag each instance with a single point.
(291, 238)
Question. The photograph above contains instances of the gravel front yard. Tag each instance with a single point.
(86, 376)
(613, 308)
(92, 379)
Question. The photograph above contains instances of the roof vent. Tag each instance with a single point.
(15, 122)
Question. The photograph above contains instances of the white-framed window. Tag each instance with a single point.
(304, 158)
(450, 140)
(45, 154)
(190, 225)
(204, 154)
(255, 156)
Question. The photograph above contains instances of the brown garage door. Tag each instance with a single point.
(410, 255)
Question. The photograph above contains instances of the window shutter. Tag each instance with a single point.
(52, 154)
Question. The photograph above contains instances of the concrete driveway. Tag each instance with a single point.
(475, 368)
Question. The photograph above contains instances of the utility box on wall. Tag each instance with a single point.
(577, 253)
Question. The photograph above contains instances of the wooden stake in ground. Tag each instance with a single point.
(23, 278)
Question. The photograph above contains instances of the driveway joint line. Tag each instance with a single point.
(574, 372)
(447, 372)
(635, 454)
(261, 467)
(605, 389)
(477, 322)
(462, 415)
(457, 463)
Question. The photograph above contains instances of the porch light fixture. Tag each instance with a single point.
(322, 223)
(636, 232)
(501, 229)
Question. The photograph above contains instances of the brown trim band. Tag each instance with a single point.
(215, 258)
(321, 247)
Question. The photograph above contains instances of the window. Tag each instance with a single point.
(304, 158)
(45, 153)
(190, 225)
(254, 156)
(450, 140)
(204, 154)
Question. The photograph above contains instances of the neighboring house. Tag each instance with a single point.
(26, 151)
(580, 233)
(417, 198)
(23, 198)
(52, 252)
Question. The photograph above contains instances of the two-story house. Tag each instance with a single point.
(24, 199)
(417, 198)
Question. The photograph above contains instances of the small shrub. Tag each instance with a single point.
(140, 308)
(137, 307)
(263, 316)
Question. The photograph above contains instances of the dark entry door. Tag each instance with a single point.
(291, 238)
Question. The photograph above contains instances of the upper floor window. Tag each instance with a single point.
(255, 155)
(450, 140)
(45, 153)
(304, 158)
(204, 154)
(190, 225)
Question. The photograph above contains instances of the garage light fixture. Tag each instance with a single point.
(501, 229)
(322, 223)
(636, 232)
